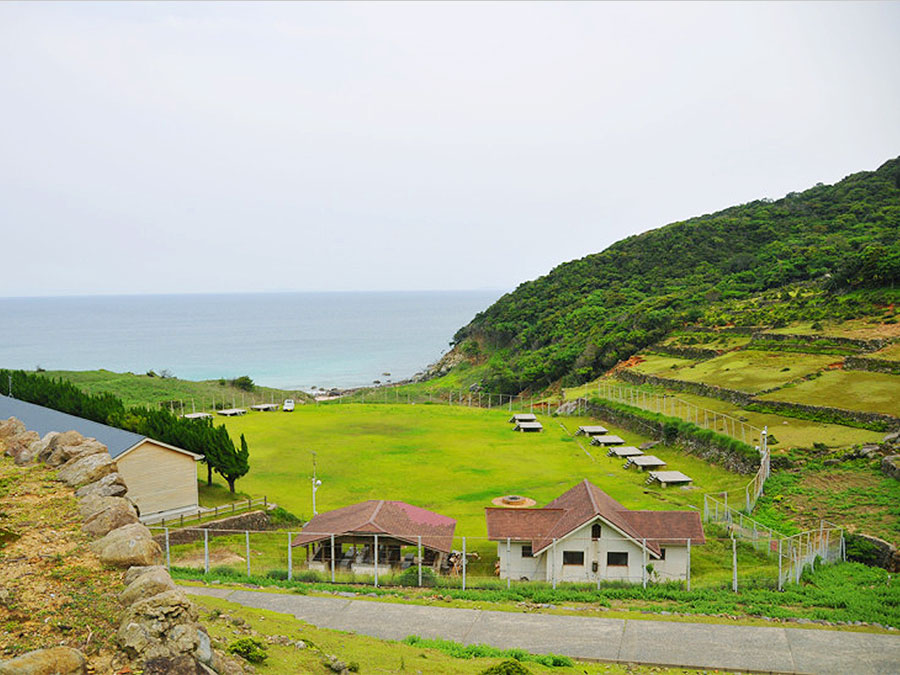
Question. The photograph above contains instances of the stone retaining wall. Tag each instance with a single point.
(685, 352)
(870, 345)
(850, 418)
(872, 365)
(730, 395)
(708, 450)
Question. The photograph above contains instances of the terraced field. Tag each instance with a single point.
(847, 389)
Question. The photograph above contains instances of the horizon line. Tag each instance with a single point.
(268, 292)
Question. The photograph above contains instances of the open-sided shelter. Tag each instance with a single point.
(523, 417)
(591, 430)
(624, 451)
(586, 535)
(160, 478)
(529, 426)
(607, 439)
(643, 462)
(358, 536)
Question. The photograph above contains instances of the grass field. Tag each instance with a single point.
(891, 353)
(750, 371)
(865, 329)
(663, 366)
(452, 460)
(145, 390)
(711, 340)
(851, 390)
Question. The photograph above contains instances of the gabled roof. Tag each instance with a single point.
(582, 504)
(398, 520)
(44, 420)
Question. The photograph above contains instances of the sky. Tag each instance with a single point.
(229, 147)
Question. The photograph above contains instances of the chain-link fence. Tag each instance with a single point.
(724, 560)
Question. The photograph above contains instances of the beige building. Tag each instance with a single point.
(159, 477)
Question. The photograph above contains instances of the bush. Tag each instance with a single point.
(250, 649)
(280, 517)
(509, 667)
(244, 382)
(410, 577)
(281, 575)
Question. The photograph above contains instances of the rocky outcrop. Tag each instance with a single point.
(152, 580)
(114, 513)
(53, 661)
(890, 466)
(111, 485)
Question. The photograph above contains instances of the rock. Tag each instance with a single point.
(138, 570)
(832, 462)
(178, 665)
(111, 485)
(82, 470)
(57, 439)
(11, 427)
(164, 625)
(117, 514)
(128, 545)
(225, 666)
(63, 454)
(19, 444)
(890, 466)
(152, 582)
(890, 438)
(648, 445)
(53, 661)
(869, 451)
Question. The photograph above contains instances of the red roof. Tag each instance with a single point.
(398, 520)
(581, 505)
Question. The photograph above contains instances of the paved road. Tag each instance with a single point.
(690, 645)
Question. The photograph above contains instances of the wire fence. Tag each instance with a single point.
(729, 559)
(201, 513)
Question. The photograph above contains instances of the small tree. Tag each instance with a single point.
(233, 463)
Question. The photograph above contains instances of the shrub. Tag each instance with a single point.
(280, 516)
(250, 649)
(277, 574)
(410, 577)
(509, 667)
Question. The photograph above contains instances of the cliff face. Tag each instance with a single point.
(67, 534)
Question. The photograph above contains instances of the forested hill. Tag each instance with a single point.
(587, 314)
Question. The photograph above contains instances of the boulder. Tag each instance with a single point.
(11, 427)
(138, 570)
(53, 661)
(648, 445)
(19, 443)
(162, 626)
(57, 439)
(111, 485)
(153, 582)
(890, 466)
(78, 472)
(177, 665)
(128, 545)
(66, 454)
(116, 513)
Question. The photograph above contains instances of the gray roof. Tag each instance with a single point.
(44, 420)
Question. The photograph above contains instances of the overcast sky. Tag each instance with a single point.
(156, 148)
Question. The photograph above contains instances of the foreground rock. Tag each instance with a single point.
(153, 581)
(53, 661)
(111, 485)
(128, 545)
(11, 427)
(19, 444)
(890, 466)
(87, 469)
(164, 626)
(114, 514)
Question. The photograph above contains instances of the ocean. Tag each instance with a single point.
(285, 340)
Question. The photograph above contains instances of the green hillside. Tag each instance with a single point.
(830, 252)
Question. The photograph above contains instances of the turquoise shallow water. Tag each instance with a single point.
(290, 340)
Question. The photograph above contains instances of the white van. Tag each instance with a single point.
(288, 405)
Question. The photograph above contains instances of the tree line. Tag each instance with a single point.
(199, 436)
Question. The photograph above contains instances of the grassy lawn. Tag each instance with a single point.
(145, 390)
(866, 329)
(663, 366)
(711, 340)
(448, 459)
(848, 389)
(749, 371)
(891, 353)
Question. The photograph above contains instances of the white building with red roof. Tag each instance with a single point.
(585, 535)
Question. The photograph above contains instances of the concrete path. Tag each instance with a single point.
(689, 645)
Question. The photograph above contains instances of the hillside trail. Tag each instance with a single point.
(658, 643)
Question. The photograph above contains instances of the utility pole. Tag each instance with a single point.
(315, 484)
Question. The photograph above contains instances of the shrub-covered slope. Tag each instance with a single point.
(587, 314)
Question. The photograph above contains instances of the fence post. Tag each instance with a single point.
(689, 563)
(420, 560)
(644, 563)
(332, 558)
(508, 562)
(206, 550)
(554, 563)
(705, 509)
(290, 559)
(747, 496)
(247, 541)
(843, 547)
(734, 578)
(376, 561)
(779, 564)
(464, 564)
(168, 560)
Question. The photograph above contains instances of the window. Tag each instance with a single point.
(573, 557)
(662, 554)
(526, 552)
(596, 531)
(616, 559)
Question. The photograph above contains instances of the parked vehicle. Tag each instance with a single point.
(288, 405)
